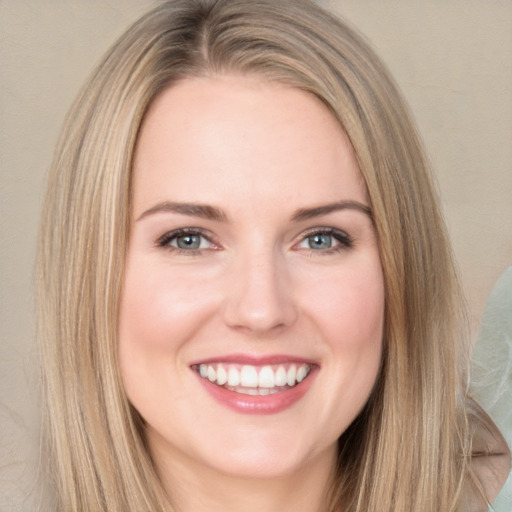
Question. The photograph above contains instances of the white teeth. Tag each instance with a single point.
(254, 391)
(249, 377)
(266, 377)
(233, 377)
(290, 377)
(212, 374)
(222, 375)
(254, 380)
(280, 377)
(302, 373)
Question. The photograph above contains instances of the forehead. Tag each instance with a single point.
(239, 138)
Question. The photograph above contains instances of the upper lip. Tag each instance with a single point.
(253, 360)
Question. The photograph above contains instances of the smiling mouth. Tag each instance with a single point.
(254, 380)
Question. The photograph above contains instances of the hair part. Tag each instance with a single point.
(94, 438)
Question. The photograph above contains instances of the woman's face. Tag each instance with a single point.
(252, 311)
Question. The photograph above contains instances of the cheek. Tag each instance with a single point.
(350, 318)
(160, 310)
(349, 308)
(349, 314)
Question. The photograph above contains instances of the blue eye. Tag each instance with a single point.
(326, 240)
(319, 241)
(185, 240)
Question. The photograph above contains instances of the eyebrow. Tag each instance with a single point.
(192, 209)
(212, 213)
(317, 211)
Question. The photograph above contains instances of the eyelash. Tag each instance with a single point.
(165, 240)
(344, 241)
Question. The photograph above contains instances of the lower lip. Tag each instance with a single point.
(259, 404)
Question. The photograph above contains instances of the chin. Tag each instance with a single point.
(264, 455)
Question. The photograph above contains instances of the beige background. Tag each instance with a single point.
(452, 58)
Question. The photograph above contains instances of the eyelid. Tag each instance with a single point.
(344, 240)
(164, 240)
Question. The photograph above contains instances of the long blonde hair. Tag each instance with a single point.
(407, 450)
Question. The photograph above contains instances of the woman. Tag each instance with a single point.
(246, 294)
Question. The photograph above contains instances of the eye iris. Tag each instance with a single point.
(188, 241)
(320, 241)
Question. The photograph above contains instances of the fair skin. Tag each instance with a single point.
(277, 271)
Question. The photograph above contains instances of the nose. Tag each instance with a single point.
(260, 299)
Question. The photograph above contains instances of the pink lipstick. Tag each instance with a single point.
(255, 385)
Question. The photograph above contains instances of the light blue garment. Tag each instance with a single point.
(503, 503)
(492, 369)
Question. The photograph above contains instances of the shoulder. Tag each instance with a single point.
(492, 386)
(489, 466)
